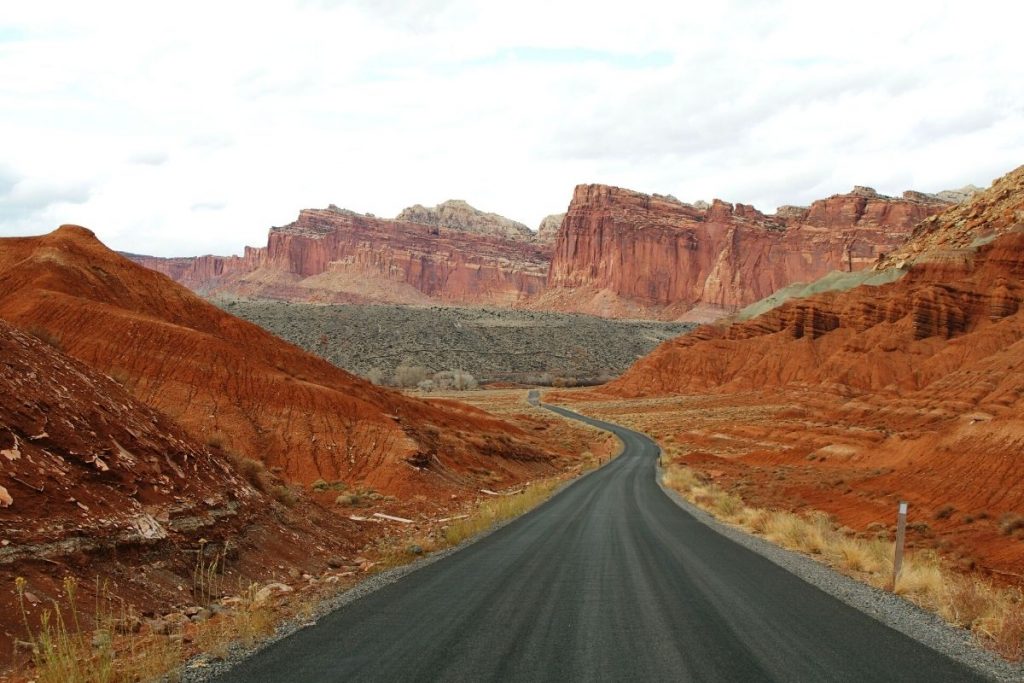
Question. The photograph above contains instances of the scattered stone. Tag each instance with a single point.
(415, 549)
(159, 627)
(130, 624)
(201, 616)
(263, 594)
(24, 646)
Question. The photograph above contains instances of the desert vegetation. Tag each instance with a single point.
(404, 345)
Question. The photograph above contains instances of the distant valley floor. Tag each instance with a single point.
(490, 344)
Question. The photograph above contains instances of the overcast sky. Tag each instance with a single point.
(192, 127)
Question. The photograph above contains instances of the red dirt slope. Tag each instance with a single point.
(233, 385)
(94, 483)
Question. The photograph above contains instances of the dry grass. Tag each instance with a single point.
(994, 614)
(499, 509)
(64, 649)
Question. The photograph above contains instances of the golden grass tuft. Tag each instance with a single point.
(499, 509)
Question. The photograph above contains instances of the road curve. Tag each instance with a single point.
(608, 581)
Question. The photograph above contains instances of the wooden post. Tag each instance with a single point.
(901, 535)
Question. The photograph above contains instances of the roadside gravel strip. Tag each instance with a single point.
(612, 580)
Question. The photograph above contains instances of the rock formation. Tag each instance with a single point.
(455, 214)
(547, 231)
(616, 253)
(334, 255)
(228, 382)
(76, 447)
(953, 234)
(629, 254)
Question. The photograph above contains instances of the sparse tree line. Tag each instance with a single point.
(425, 379)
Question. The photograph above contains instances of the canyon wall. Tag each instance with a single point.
(624, 253)
(334, 255)
(616, 253)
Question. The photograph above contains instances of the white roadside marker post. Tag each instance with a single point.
(901, 534)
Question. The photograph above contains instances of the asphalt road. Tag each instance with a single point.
(608, 581)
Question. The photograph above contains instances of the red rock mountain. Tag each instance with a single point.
(341, 256)
(958, 304)
(229, 383)
(623, 253)
(616, 253)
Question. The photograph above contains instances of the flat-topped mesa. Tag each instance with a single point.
(457, 214)
(622, 252)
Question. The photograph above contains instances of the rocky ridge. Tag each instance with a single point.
(456, 214)
(547, 231)
(616, 253)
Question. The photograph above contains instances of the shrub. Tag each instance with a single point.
(1010, 523)
(408, 376)
(284, 495)
(46, 336)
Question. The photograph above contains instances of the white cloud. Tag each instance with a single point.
(192, 127)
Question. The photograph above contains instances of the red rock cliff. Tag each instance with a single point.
(621, 252)
(337, 255)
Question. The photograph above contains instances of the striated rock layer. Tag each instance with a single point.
(624, 253)
(229, 383)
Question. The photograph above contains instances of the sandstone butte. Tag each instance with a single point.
(232, 385)
(616, 253)
(913, 389)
